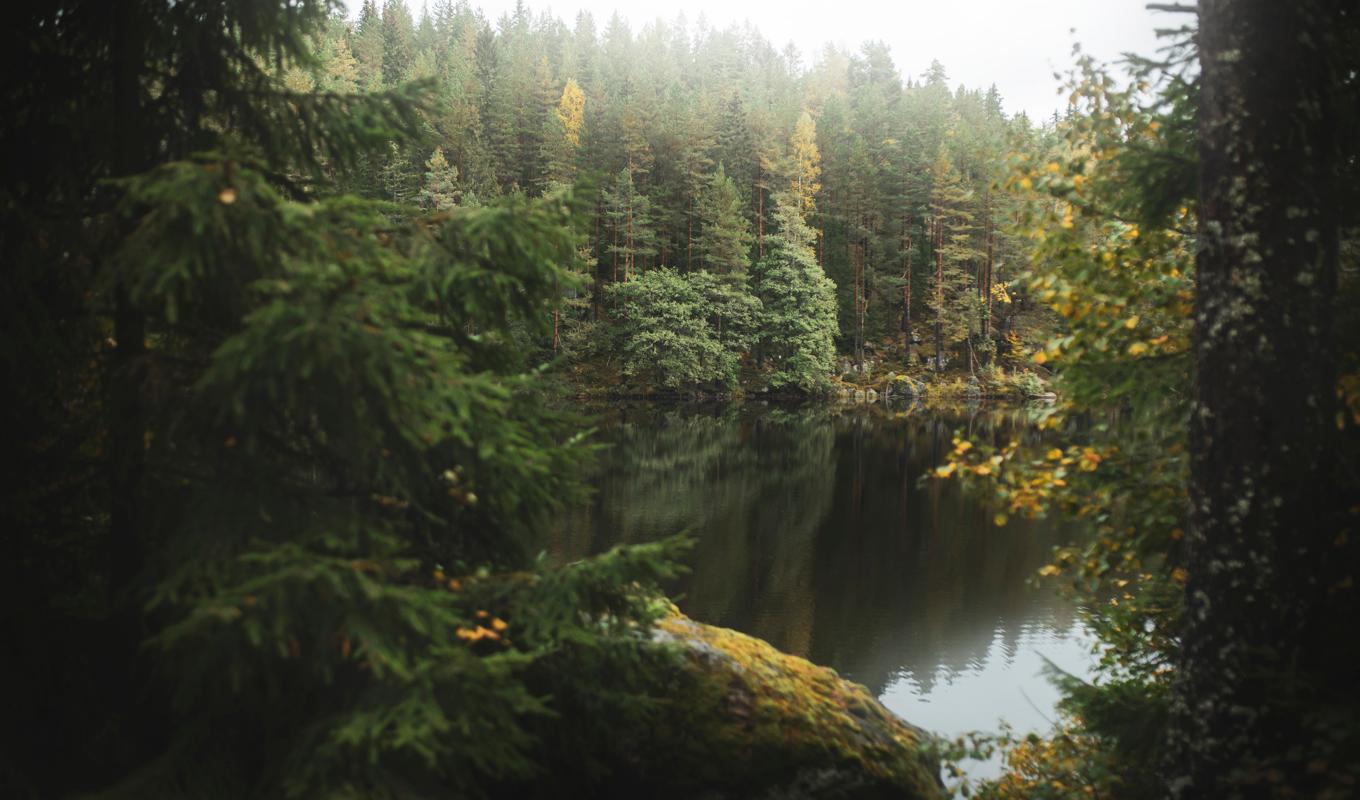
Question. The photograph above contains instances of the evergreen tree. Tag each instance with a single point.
(798, 320)
(339, 70)
(725, 235)
(282, 551)
(367, 44)
(735, 145)
(439, 191)
(678, 331)
(400, 182)
(953, 304)
(629, 213)
(398, 38)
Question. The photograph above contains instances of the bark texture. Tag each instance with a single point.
(1260, 637)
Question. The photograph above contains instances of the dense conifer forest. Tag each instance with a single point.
(695, 143)
(297, 304)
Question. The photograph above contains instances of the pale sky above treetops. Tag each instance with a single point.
(1015, 44)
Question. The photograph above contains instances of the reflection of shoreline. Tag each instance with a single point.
(1008, 687)
(815, 533)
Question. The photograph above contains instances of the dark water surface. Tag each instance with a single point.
(814, 534)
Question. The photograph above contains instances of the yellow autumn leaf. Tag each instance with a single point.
(1054, 454)
(1132, 322)
(945, 471)
(1050, 570)
(1138, 348)
(999, 519)
(1040, 357)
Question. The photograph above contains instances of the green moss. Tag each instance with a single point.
(765, 715)
(690, 710)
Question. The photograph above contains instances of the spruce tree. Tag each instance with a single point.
(724, 240)
(954, 306)
(398, 37)
(266, 546)
(367, 46)
(798, 318)
(439, 190)
(630, 220)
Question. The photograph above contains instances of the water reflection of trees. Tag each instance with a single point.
(815, 534)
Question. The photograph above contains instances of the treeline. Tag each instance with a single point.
(692, 138)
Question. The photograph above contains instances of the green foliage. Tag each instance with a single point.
(439, 191)
(679, 331)
(313, 450)
(725, 238)
(955, 305)
(1111, 257)
(348, 436)
(798, 318)
(689, 138)
(629, 213)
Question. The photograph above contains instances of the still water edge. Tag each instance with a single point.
(815, 532)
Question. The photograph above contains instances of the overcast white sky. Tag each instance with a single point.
(1016, 44)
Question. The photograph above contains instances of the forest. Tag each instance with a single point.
(719, 170)
(352, 356)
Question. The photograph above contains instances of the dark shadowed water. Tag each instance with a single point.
(815, 534)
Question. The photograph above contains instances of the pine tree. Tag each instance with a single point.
(400, 182)
(678, 331)
(497, 112)
(282, 548)
(339, 70)
(736, 148)
(398, 37)
(629, 213)
(439, 191)
(367, 44)
(724, 240)
(798, 319)
(954, 306)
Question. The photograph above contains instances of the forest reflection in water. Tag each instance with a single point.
(814, 532)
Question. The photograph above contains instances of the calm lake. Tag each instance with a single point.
(815, 533)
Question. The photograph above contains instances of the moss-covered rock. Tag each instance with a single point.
(716, 714)
(791, 729)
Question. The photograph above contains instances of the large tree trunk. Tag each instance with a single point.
(906, 286)
(938, 244)
(126, 414)
(1263, 555)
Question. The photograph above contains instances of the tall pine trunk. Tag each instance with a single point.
(126, 415)
(906, 286)
(939, 293)
(1262, 613)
